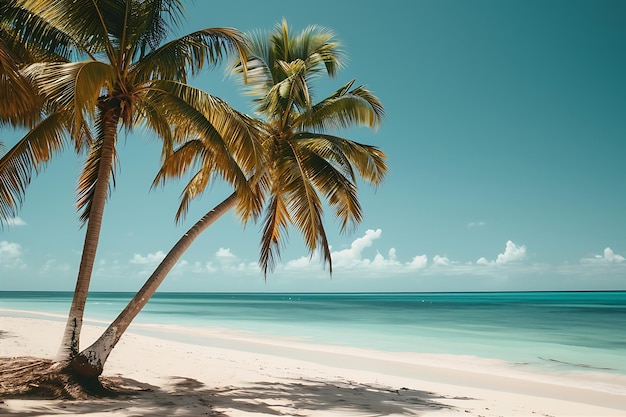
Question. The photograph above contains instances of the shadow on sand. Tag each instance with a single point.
(189, 397)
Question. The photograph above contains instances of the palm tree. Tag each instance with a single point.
(306, 162)
(301, 162)
(126, 75)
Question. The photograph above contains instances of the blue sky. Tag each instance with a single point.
(505, 132)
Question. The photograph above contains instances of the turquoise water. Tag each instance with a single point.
(557, 330)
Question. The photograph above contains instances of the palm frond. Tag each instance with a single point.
(369, 161)
(330, 172)
(73, 86)
(188, 54)
(316, 45)
(22, 105)
(193, 112)
(230, 138)
(27, 157)
(274, 233)
(343, 109)
(305, 207)
(272, 61)
(259, 78)
(24, 108)
(194, 188)
(180, 161)
(295, 89)
(91, 168)
(154, 20)
(82, 21)
(193, 154)
(33, 38)
(292, 182)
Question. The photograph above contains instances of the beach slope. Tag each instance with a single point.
(246, 376)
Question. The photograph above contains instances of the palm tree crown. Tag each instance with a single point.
(305, 164)
(124, 73)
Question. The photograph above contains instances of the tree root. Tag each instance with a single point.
(37, 378)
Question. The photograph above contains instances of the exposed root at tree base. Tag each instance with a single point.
(36, 378)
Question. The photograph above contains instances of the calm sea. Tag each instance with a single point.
(557, 330)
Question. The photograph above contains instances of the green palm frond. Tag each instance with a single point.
(74, 85)
(314, 47)
(195, 187)
(153, 21)
(225, 138)
(317, 45)
(180, 161)
(150, 113)
(343, 109)
(259, 73)
(33, 38)
(369, 161)
(193, 154)
(292, 91)
(188, 54)
(274, 232)
(21, 105)
(193, 112)
(335, 181)
(301, 199)
(81, 21)
(27, 157)
(142, 24)
(89, 175)
(24, 108)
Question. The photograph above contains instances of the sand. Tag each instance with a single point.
(227, 373)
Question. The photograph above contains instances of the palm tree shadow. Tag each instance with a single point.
(189, 397)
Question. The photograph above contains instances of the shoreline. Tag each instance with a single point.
(219, 359)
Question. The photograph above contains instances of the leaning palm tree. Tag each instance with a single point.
(125, 75)
(301, 162)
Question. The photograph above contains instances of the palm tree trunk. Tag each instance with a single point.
(90, 362)
(70, 344)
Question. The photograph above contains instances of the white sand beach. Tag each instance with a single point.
(236, 375)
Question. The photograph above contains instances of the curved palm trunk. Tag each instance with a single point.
(71, 337)
(90, 362)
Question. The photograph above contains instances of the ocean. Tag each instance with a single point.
(555, 331)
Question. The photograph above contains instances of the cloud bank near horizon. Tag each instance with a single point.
(353, 261)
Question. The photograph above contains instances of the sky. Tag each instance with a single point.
(505, 133)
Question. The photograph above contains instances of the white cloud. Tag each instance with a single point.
(471, 225)
(15, 221)
(419, 262)
(199, 267)
(608, 256)
(353, 255)
(49, 264)
(441, 260)
(147, 263)
(54, 266)
(512, 253)
(224, 254)
(149, 259)
(11, 255)
(302, 262)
